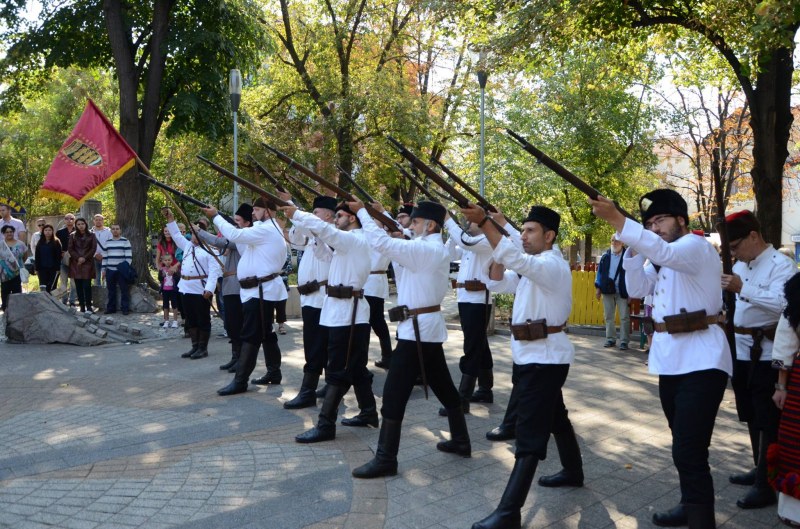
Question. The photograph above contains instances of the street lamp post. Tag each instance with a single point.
(482, 78)
(235, 90)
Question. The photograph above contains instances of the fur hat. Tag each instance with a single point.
(544, 216)
(427, 209)
(740, 224)
(406, 209)
(663, 202)
(246, 212)
(324, 202)
(263, 203)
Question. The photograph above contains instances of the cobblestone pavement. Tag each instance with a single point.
(127, 436)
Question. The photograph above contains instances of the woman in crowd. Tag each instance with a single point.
(12, 253)
(82, 248)
(47, 257)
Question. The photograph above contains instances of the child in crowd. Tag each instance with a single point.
(169, 290)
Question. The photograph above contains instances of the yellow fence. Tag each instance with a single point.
(586, 309)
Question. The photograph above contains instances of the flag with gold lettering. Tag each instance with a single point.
(93, 156)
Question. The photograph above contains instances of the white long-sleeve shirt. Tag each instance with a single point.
(690, 278)
(786, 344)
(426, 265)
(263, 252)
(542, 285)
(377, 285)
(475, 253)
(196, 262)
(761, 300)
(314, 265)
(349, 267)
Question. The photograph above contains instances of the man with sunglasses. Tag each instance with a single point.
(690, 353)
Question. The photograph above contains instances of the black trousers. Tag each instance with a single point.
(477, 354)
(343, 372)
(233, 317)
(690, 403)
(378, 323)
(280, 311)
(541, 409)
(257, 323)
(12, 286)
(83, 287)
(48, 277)
(754, 384)
(403, 371)
(197, 311)
(315, 341)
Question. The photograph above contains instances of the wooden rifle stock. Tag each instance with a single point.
(390, 223)
(460, 199)
(244, 182)
(184, 196)
(562, 171)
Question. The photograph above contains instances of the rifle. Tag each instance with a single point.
(562, 171)
(462, 201)
(269, 176)
(183, 196)
(430, 193)
(390, 223)
(366, 196)
(244, 183)
(302, 184)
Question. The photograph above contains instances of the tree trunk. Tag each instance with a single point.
(587, 250)
(771, 121)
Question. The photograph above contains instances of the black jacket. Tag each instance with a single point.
(603, 272)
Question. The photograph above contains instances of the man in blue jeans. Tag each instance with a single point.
(118, 249)
(610, 286)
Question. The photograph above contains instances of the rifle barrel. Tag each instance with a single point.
(263, 170)
(244, 182)
(183, 196)
(363, 192)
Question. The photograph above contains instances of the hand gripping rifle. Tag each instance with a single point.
(444, 184)
(244, 183)
(391, 224)
(562, 171)
(481, 201)
(184, 196)
(274, 181)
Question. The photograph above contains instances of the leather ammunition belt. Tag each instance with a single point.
(688, 322)
(189, 278)
(472, 285)
(229, 273)
(343, 292)
(379, 272)
(402, 312)
(766, 332)
(534, 330)
(311, 287)
(252, 282)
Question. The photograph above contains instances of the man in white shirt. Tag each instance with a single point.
(421, 331)
(199, 273)
(758, 278)
(312, 277)
(20, 233)
(346, 316)
(689, 352)
(541, 280)
(102, 234)
(37, 234)
(263, 252)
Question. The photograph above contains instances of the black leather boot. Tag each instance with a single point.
(322, 391)
(459, 435)
(701, 516)
(202, 345)
(465, 389)
(507, 515)
(675, 517)
(749, 478)
(272, 356)
(385, 461)
(383, 363)
(306, 398)
(571, 475)
(325, 430)
(193, 335)
(235, 350)
(761, 494)
(247, 359)
(368, 414)
(485, 384)
(508, 428)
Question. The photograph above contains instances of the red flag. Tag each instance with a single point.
(93, 156)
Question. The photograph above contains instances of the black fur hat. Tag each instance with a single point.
(663, 202)
(246, 212)
(544, 216)
(406, 208)
(324, 202)
(429, 210)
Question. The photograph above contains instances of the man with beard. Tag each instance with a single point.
(689, 352)
(263, 252)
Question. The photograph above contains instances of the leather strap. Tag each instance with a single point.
(464, 285)
(229, 273)
(768, 332)
(251, 282)
(424, 310)
(420, 357)
(189, 278)
(379, 272)
(333, 291)
(711, 320)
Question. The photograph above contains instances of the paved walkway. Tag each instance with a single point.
(129, 436)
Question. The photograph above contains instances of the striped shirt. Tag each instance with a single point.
(117, 250)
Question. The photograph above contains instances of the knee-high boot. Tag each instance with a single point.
(701, 516)
(325, 430)
(193, 334)
(368, 414)
(202, 344)
(749, 478)
(508, 515)
(272, 357)
(459, 435)
(236, 348)
(385, 461)
(761, 494)
(508, 428)
(571, 475)
(465, 390)
(247, 361)
(485, 385)
(306, 397)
